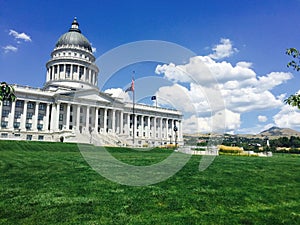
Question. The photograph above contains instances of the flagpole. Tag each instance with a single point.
(133, 113)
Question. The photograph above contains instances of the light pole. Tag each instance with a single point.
(170, 136)
(176, 136)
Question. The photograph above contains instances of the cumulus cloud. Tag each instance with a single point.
(288, 117)
(9, 48)
(241, 89)
(94, 49)
(223, 50)
(217, 123)
(262, 118)
(21, 36)
(118, 93)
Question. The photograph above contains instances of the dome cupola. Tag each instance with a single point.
(72, 64)
(74, 37)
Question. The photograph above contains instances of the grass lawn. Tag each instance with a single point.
(50, 183)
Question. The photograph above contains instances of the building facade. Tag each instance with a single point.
(71, 108)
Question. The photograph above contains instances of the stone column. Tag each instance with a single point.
(172, 129)
(179, 130)
(53, 116)
(24, 116)
(96, 119)
(48, 74)
(128, 124)
(105, 120)
(68, 116)
(113, 124)
(11, 115)
(142, 127)
(87, 119)
(90, 76)
(65, 71)
(56, 126)
(35, 117)
(154, 130)
(78, 118)
(71, 71)
(121, 122)
(84, 73)
(46, 118)
(148, 127)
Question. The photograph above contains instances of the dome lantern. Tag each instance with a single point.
(75, 26)
(74, 37)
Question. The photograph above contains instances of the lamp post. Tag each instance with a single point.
(176, 136)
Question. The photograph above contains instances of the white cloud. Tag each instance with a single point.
(240, 87)
(10, 48)
(273, 79)
(262, 118)
(94, 49)
(118, 93)
(223, 50)
(21, 36)
(217, 123)
(288, 117)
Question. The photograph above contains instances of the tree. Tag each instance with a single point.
(7, 92)
(294, 100)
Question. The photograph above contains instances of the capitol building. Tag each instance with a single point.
(71, 108)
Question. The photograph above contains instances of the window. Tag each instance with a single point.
(17, 135)
(28, 126)
(71, 108)
(61, 68)
(18, 114)
(29, 115)
(40, 117)
(40, 126)
(19, 104)
(80, 71)
(75, 68)
(5, 113)
(6, 103)
(61, 117)
(42, 106)
(29, 137)
(30, 105)
(60, 126)
(68, 70)
(40, 137)
(55, 69)
(16, 125)
(4, 135)
(61, 108)
(71, 118)
(4, 124)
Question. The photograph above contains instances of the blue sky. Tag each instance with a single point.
(257, 32)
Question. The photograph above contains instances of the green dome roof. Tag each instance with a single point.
(74, 37)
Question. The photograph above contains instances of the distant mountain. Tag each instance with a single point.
(279, 132)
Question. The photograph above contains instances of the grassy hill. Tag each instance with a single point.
(50, 183)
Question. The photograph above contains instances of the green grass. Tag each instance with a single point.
(50, 183)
